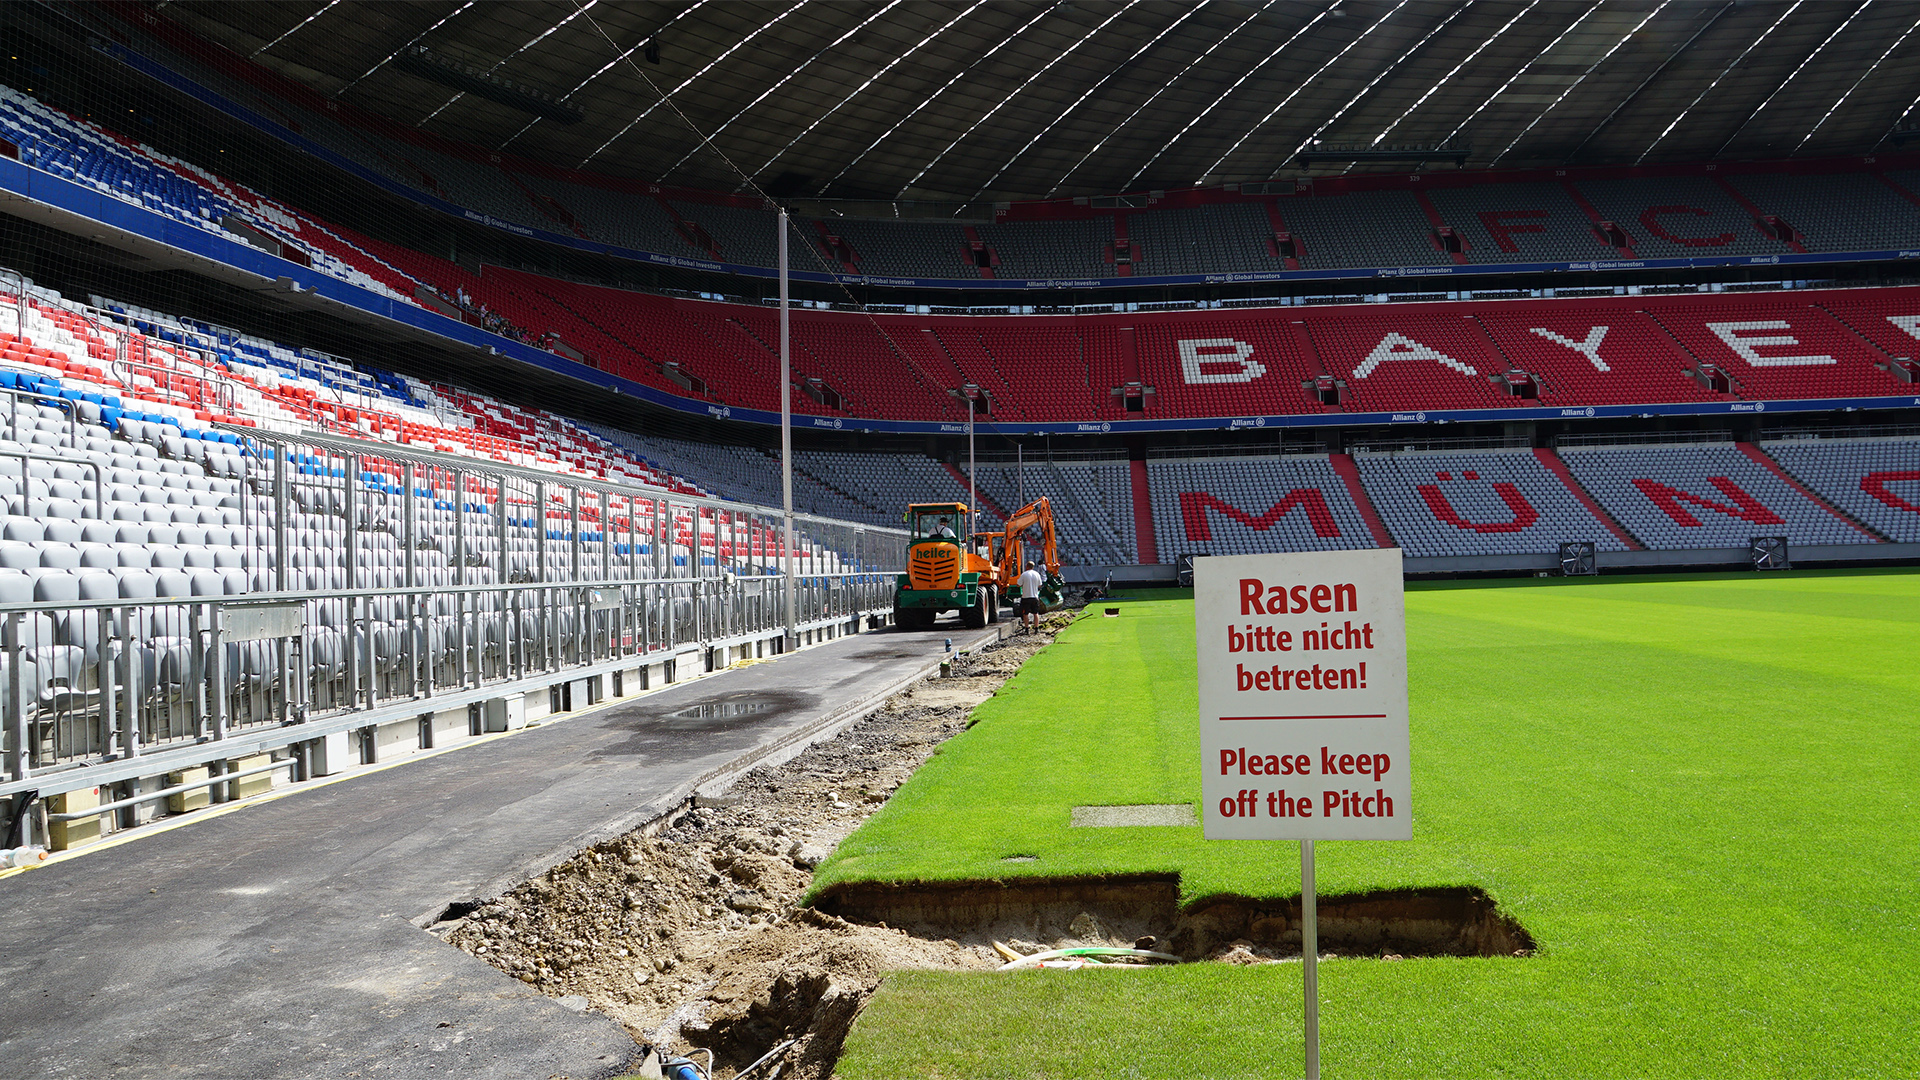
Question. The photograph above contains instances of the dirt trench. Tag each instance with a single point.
(1124, 910)
(689, 932)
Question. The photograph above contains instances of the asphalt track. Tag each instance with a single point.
(282, 938)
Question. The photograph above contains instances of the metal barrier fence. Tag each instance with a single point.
(343, 507)
(113, 679)
(352, 582)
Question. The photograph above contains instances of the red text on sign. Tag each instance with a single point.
(1343, 803)
(1280, 805)
(1267, 639)
(1236, 760)
(1257, 598)
(1313, 678)
(1354, 804)
(1374, 765)
(1265, 765)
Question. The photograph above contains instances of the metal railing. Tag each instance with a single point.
(346, 503)
(350, 583)
(1237, 450)
(26, 458)
(99, 681)
(1641, 438)
(1038, 455)
(1418, 444)
(1864, 431)
(64, 405)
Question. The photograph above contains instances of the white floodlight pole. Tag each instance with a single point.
(786, 434)
(973, 482)
(1020, 471)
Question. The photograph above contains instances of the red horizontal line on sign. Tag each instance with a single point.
(1349, 716)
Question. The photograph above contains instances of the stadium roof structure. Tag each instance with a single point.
(974, 100)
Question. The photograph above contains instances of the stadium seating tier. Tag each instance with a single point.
(1704, 495)
(1385, 358)
(1249, 505)
(1502, 502)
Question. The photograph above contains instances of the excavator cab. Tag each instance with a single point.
(993, 547)
(936, 521)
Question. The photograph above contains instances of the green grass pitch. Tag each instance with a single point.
(1698, 795)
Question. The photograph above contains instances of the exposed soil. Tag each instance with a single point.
(691, 937)
(688, 933)
(1120, 910)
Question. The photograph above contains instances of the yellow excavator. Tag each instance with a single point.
(945, 574)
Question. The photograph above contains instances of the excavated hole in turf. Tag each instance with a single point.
(1124, 910)
(688, 932)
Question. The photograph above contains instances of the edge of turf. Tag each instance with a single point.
(1035, 876)
(821, 896)
(1186, 905)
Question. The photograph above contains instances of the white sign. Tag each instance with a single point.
(1303, 696)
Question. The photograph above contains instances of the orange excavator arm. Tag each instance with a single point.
(1038, 513)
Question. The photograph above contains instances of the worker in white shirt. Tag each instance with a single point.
(1031, 583)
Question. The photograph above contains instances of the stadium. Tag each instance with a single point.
(604, 538)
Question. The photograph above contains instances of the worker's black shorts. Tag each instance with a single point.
(1029, 605)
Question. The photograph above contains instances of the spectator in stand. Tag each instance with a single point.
(492, 321)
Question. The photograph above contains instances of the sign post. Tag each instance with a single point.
(1310, 959)
(1303, 711)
